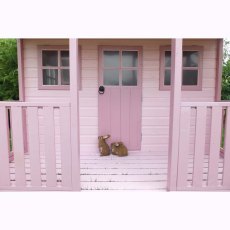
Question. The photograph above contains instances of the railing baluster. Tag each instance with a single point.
(4, 148)
(184, 146)
(18, 146)
(51, 178)
(65, 146)
(201, 119)
(34, 147)
(214, 146)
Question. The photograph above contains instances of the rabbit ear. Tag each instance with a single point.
(106, 136)
(117, 144)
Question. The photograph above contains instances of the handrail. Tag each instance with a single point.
(207, 104)
(34, 104)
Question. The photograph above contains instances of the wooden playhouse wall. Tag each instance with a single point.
(155, 105)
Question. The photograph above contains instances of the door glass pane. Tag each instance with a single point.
(111, 77)
(49, 58)
(129, 58)
(190, 77)
(65, 58)
(111, 58)
(167, 58)
(65, 77)
(50, 77)
(190, 58)
(167, 80)
(129, 77)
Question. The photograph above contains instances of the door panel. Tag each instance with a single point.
(120, 105)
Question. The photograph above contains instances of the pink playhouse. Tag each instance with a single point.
(161, 97)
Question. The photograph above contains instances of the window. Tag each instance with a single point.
(191, 68)
(120, 67)
(54, 67)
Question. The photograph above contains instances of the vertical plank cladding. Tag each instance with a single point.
(115, 122)
(50, 156)
(215, 138)
(34, 146)
(65, 146)
(226, 172)
(183, 147)
(4, 148)
(201, 118)
(104, 104)
(18, 146)
(125, 122)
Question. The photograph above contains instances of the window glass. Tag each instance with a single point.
(65, 58)
(190, 77)
(129, 77)
(49, 58)
(111, 58)
(50, 77)
(65, 76)
(167, 58)
(167, 80)
(190, 59)
(111, 77)
(129, 58)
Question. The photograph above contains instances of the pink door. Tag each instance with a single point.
(120, 94)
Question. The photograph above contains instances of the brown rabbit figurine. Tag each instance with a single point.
(103, 146)
(119, 149)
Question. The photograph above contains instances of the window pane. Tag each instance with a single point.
(65, 77)
(65, 58)
(49, 58)
(167, 58)
(129, 58)
(50, 77)
(129, 77)
(111, 58)
(190, 77)
(167, 80)
(111, 77)
(190, 58)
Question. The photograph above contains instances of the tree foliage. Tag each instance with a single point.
(225, 94)
(8, 69)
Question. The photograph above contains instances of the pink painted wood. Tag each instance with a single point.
(34, 146)
(40, 68)
(120, 106)
(197, 87)
(226, 172)
(51, 178)
(74, 119)
(20, 55)
(183, 147)
(4, 148)
(214, 146)
(174, 119)
(65, 146)
(18, 146)
(219, 64)
(201, 118)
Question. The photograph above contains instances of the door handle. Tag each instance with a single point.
(101, 89)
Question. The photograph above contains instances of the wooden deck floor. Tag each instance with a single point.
(138, 171)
